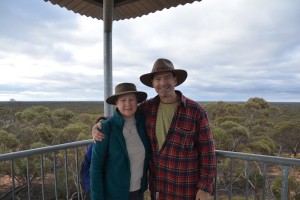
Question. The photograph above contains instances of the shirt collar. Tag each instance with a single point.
(181, 96)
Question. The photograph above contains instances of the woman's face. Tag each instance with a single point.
(127, 104)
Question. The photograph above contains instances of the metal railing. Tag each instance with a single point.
(233, 169)
(52, 153)
(262, 163)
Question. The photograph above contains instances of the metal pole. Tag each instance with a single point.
(13, 189)
(231, 178)
(108, 6)
(66, 171)
(285, 176)
(28, 178)
(247, 179)
(42, 175)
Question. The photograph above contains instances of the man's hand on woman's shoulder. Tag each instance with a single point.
(96, 134)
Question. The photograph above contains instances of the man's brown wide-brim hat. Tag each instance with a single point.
(163, 65)
(126, 88)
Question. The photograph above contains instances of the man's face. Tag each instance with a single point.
(164, 83)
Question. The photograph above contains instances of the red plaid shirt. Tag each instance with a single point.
(186, 162)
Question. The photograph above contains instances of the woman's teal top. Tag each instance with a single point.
(110, 167)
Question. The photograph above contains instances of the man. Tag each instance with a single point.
(182, 161)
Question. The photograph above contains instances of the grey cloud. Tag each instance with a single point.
(232, 51)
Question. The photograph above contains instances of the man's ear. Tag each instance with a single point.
(152, 82)
(175, 79)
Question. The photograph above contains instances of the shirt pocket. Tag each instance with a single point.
(183, 140)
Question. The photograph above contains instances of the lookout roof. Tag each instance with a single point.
(123, 9)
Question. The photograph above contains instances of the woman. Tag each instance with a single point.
(120, 162)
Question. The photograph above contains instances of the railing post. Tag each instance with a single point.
(77, 171)
(265, 181)
(28, 178)
(55, 175)
(42, 175)
(247, 179)
(231, 178)
(285, 174)
(66, 171)
(13, 179)
(216, 179)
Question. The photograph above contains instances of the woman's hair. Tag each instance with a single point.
(100, 119)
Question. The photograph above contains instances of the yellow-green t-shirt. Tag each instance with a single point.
(164, 118)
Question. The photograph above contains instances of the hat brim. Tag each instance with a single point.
(181, 75)
(141, 96)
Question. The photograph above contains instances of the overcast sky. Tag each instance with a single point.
(233, 50)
